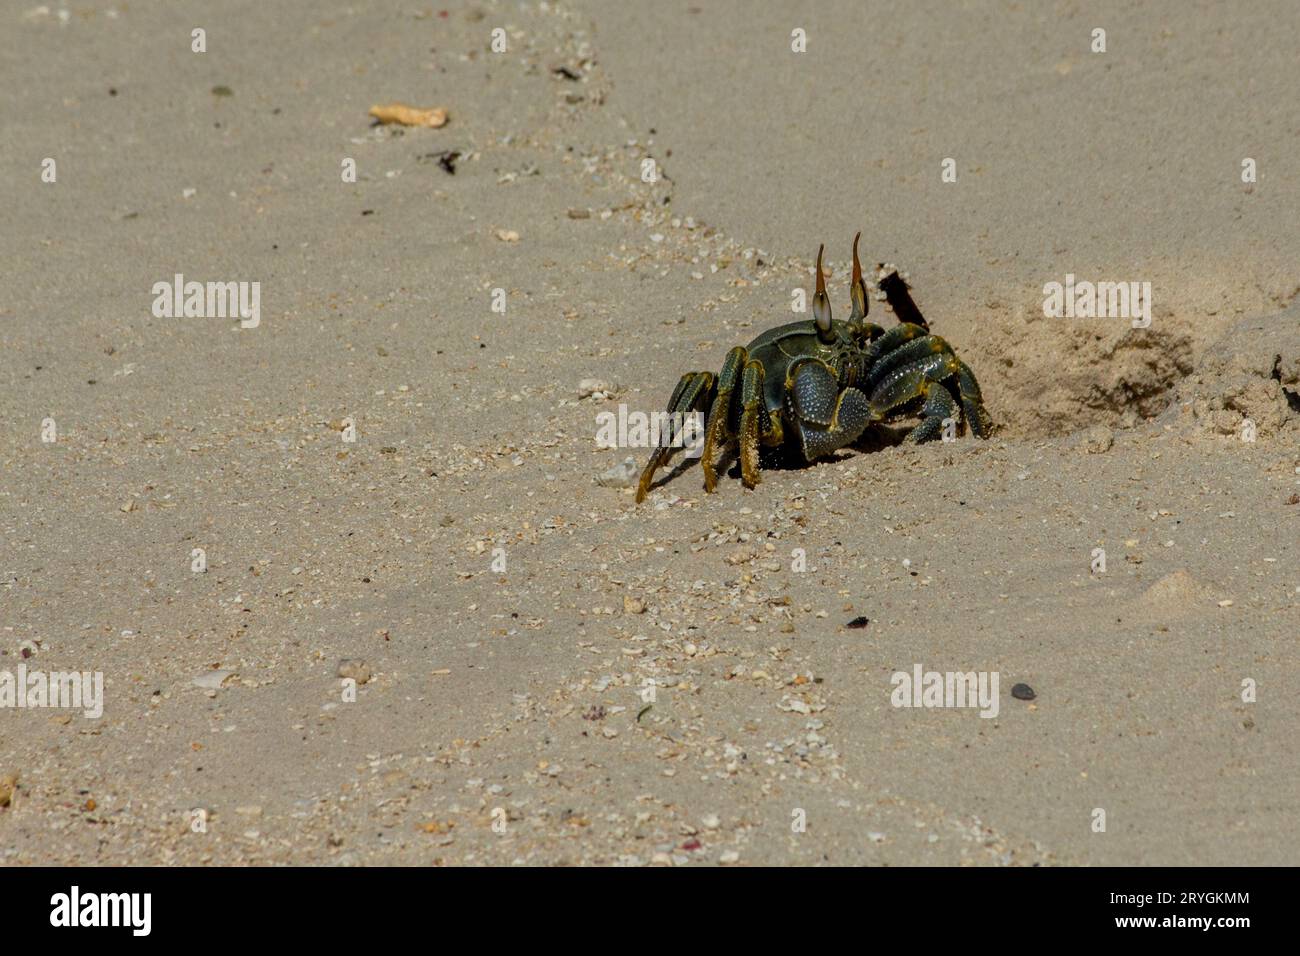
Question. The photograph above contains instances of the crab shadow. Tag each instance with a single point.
(782, 459)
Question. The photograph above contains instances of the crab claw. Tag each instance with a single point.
(822, 303)
(858, 288)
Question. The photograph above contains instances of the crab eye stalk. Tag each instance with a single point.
(822, 303)
(858, 288)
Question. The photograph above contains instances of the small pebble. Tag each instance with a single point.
(622, 475)
(212, 680)
(1098, 440)
(595, 388)
(8, 784)
(1023, 692)
(356, 669)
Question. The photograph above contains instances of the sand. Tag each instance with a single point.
(503, 715)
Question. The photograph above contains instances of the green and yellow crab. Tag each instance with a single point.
(814, 386)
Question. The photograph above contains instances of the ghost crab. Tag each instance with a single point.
(814, 386)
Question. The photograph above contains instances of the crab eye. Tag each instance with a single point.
(822, 312)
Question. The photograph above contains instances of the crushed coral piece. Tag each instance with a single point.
(409, 115)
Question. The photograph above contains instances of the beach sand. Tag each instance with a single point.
(514, 617)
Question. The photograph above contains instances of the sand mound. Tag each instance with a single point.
(1174, 595)
(1052, 376)
(1252, 373)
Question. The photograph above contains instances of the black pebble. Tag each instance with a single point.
(1023, 692)
(858, 622)
(447, 161)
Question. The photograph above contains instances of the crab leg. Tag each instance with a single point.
(918, 348)
(939, 405)
(721, 429)
(922, 378)
(908, 382)
(972, 403)
(891, 340)
(928, 368)
(692, 394)
(755, 423)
